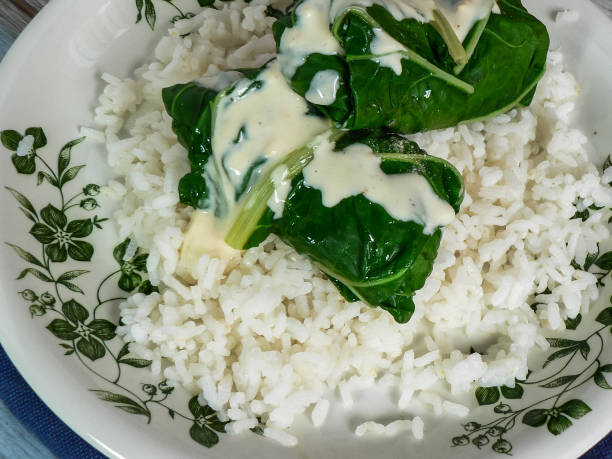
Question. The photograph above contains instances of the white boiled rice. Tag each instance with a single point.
(389, 430)
(266, 335)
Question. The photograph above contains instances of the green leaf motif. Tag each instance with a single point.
(600, 380)
(558, 424)
(103, 329)
(194, 407)
(69, 349)
(535, 418)
(147, 288)
(150, 15)
(120, 249)
(42, 233)
(140, 261)
(42, 175)
(28, 215)
(114, 398)
(40, 139)
(81, 251)
(75, 312)
(128, 405)
(487, 395)
(91, 348)
(135, 410)
(21, 199)
(558, 354)
(36, 273)
(25, 255)
(139, 6)
(584, 350)
(563, 380)
(69, 275)
(215, 424)
(72, 287)
(10, 139)
(559, 342)
(128, 282)
(24, 164)
(515, 392)
(575, 408)
(572, 324)
(57, 253)
(582, 215)
(203, 435)
(53, 217)
(80, 228)
(70, 174)
(605, 261)
(590, 259)
(63, 159)
(62, 329)
(125, 350)
(205, 415)
(136, 363)
(605, 316)
(606, 368)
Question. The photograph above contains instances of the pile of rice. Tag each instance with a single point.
(266, 337)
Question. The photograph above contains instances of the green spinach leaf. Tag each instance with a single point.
(367, 254)
(505, 58)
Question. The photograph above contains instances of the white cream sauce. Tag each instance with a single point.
(203, 236)
(463, 14)
(263, 124)
(311, 34)
(356, 170)
(323, 87)
(421, 10)
(388, 51)
(282, 187)
(260, 125)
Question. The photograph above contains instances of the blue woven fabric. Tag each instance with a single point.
(65, 444)
(40, 420)
(603, 449)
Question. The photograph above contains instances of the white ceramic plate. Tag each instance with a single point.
(50, 79)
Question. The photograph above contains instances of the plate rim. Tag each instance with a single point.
(48, 393)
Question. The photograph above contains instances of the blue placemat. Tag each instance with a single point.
(40, 420)
(65, 444)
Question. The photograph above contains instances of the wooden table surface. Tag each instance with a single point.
(15, 441)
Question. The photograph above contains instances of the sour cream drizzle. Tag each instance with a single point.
(323, 87)
(356, 170)
(312, 34)
(259, 122)
(388, 51)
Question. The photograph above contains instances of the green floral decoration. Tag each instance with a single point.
(205, 424)
(132, 269)
(146, 9)
(555, 410)
(61, 237)
(87, 336)
(80, 327)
